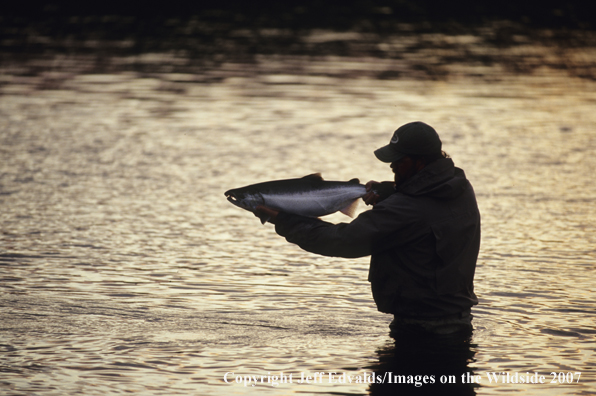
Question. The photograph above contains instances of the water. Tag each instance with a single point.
(124, 269)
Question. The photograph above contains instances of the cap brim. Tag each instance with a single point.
(388, 154)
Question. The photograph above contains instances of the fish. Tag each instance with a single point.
(309, 196)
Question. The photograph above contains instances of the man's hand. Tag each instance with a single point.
(377, 192)
(371, 197)
(266, 214)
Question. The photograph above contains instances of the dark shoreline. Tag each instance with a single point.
(372, 15)
(423, 37)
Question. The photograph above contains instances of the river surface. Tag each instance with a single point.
(125, 270)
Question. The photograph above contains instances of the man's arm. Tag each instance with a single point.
(385, 226)
(349, 240)
(320, 237)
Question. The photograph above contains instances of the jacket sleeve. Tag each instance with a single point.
(348, 240)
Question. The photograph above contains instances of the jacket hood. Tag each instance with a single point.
(439, 179)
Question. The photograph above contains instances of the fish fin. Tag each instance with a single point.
(264, 219)
(355, 181)
(350, 209)
(314, 176)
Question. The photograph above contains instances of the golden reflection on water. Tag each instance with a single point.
(125, 269)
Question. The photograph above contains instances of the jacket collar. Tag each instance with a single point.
(439, 179)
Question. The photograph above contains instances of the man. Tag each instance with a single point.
(423, 235)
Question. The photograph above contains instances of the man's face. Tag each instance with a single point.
(403, 169)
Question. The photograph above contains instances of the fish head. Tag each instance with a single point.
(244, 198)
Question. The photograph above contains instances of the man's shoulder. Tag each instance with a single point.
(398, 201)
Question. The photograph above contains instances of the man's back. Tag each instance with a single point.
(423, 264)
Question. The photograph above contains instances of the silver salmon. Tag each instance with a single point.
(308, 196)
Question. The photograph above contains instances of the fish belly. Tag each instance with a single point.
(312, 205)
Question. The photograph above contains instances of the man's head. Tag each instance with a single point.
(412, 147)
(412, 139)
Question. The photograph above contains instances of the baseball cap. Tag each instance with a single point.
(414, 138)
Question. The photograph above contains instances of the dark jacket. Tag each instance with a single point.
(424, 241)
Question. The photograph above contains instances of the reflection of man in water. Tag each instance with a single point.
(423, 364)
(423, 235)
